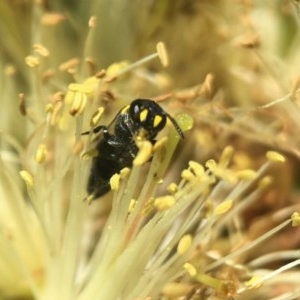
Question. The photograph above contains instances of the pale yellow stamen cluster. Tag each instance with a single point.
(78, 94)
(156, 244)
(144, 154)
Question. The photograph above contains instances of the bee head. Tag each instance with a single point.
(150, 117)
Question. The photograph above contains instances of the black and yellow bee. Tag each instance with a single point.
(116, 147)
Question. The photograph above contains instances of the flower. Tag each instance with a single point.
(178, 224)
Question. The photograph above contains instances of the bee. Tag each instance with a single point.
(116, 147)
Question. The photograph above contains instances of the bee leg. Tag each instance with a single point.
(109, 138)
(97, 129)
(97, 192)
(89, 198)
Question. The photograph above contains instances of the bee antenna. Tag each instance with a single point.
(176, 126)
(95, 130)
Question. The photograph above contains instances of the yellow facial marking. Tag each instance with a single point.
(143, 115)
(157, 121)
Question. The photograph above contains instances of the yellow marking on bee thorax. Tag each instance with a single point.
(143, 115)
(157, 120)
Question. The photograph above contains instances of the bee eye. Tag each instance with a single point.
(135, 113)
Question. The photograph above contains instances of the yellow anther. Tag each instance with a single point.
(223, 207)
(211, 164)
(132, 204)
(27, 177)
(100, 74)
(295, 219)
(78, 105)
(226, 156)
(91, 84)
(275, 156)
(184, 244)
(52, 18)
(254, 282)
(125, 109)
(41, 153)
(96, 117)
(220, 171)
(92, 22)
(162, 54)
(78, 93)
(246, 174)
(115, 182)
(69, 64)
(32, 61)
(190, 269)
(157, 120)
(81, 88)
(265, 181)
(164, 202)
(187, 175)
(196, 168)
(143, 115)
(115, 68)
(172, 188)
(40, 49)
(124, 173)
